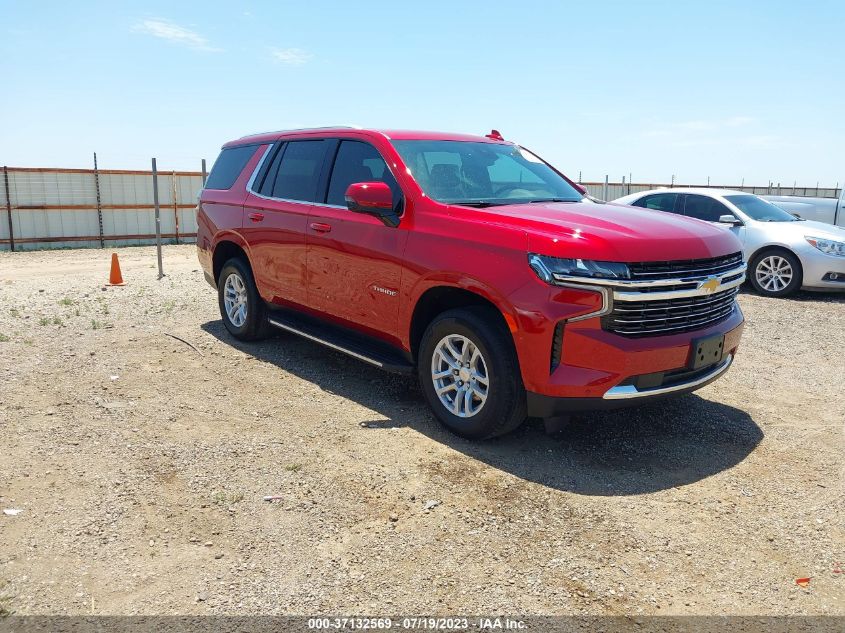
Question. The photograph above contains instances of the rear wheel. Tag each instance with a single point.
(469, 373)
(241, 307)
(776, 273)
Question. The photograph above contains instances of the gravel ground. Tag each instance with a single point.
(139, 466)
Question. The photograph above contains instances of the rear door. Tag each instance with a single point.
(354, 260)
(276, 215)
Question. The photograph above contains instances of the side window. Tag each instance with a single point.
(357, 162)
(658, 202)
(296, 171)
(266, 176)
(229, 166)
(704, 208)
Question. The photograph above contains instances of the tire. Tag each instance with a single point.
(250, 323)
(775, 273)
(496, 409)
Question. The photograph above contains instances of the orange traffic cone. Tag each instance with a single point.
(115, 278)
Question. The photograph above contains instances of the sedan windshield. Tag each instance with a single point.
(483, 174)
(761, 210)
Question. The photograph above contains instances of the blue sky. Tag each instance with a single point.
(729, 90)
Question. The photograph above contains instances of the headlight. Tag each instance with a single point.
(826, 246)
(547, 267)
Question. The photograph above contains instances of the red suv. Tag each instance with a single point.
(471, 261)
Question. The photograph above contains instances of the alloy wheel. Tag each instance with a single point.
(774, 273)
(235, 299)
(459, 374)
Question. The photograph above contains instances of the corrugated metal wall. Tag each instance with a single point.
(57, 208)
(617, 190)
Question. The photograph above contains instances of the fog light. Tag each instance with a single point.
(840, 277)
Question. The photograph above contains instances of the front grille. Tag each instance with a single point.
(669, 316)
(649, 271)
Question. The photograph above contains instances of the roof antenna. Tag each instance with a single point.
(495, 135)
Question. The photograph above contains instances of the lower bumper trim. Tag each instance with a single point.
(627, 392)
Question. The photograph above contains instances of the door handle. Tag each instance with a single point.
(321, 227)
(255, 217)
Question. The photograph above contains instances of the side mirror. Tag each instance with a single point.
(372, 198)
(729, 219)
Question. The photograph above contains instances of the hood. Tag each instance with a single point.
(790, 231)
(614, 232)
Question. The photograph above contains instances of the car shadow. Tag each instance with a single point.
(624, 452)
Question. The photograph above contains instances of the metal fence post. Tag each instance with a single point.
(175, 207)
(9, 208)
(204, 173)
(99, 205)
(158, 219)
(604, 189)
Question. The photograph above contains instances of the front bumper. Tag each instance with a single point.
(542, 406)
(817, 269)
(570, 364)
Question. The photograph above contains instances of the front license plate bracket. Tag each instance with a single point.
(707, 351)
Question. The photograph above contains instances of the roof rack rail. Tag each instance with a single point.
(306, 129)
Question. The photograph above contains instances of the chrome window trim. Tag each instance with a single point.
(627, 392)
(254, 175)
(255, 171)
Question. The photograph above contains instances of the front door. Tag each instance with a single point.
(354, 261)
(710, 210)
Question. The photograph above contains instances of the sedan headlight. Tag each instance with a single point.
(547, 267)
(826, 246)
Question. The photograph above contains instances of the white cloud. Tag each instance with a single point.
(290, 56)
(167, 30)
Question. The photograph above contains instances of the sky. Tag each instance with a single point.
(732, 91)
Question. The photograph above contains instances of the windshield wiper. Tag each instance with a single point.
(551, 200)
(480, 204)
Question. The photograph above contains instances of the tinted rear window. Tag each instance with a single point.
(658, 201)
(229, 166)
(299, 171)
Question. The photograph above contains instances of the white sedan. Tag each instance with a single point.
(784, 253)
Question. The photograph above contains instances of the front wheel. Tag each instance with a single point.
(241, 307)
(469, 373)
(776, 273)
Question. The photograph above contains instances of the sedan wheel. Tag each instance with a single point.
(776, 274)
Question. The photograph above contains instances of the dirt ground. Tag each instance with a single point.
(140, 466)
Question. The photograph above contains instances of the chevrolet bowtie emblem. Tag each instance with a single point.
(710, 285)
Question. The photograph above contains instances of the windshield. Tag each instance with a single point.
(483, 174)
(759, 209)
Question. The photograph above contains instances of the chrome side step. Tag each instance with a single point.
(354, 344)
(288, 328)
